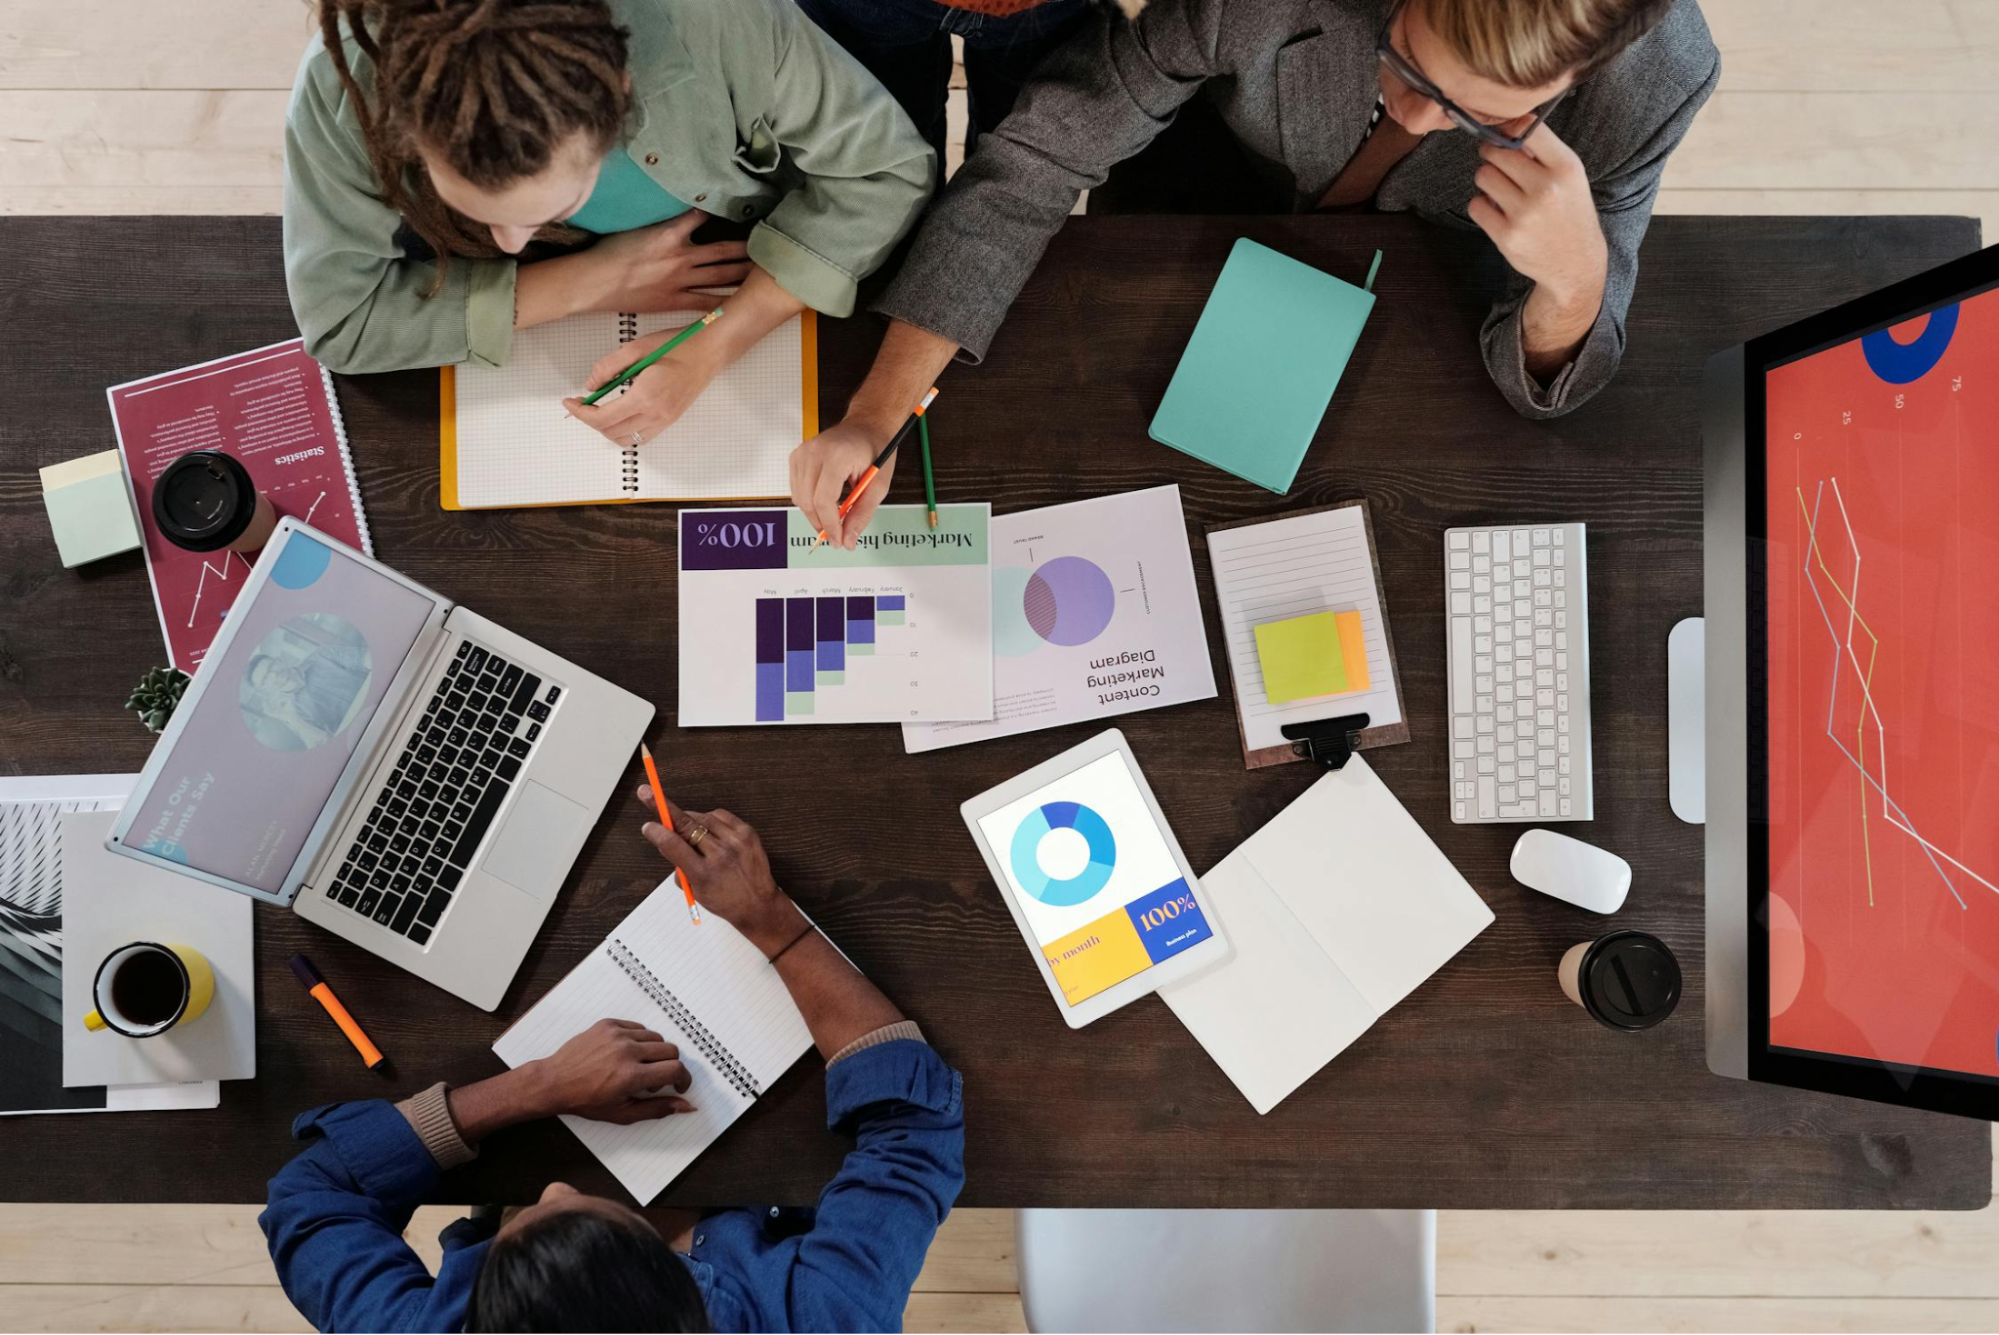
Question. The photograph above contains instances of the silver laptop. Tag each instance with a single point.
(398, 769)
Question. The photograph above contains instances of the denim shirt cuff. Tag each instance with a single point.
(379, 1148)
(906, 1071)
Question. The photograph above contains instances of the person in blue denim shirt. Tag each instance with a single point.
(337, 1211)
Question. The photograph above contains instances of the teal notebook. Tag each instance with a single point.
(1257, 375)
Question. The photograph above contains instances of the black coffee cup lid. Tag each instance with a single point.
(204, 501)
(1630, 980)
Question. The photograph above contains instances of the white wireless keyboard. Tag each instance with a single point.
(1516, 603)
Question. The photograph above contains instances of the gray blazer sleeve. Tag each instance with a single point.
(1624, 199)
(1101, 98)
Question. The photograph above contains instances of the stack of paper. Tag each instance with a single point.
(33, 1019)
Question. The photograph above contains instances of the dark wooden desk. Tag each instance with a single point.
(1485, 1088)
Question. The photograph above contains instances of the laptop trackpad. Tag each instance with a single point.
(538, 841)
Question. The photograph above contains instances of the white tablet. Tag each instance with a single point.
(1095, 880)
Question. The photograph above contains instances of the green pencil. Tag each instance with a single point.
(625, 376)
(929, 478)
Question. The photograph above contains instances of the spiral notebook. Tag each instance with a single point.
(710, 993)
(504, 440)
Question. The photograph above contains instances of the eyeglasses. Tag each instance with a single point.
(1402, 68)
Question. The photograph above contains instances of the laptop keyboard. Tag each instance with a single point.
(435, 807)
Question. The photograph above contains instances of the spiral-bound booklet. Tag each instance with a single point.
(505, 441)
(704, 988)
(274, 410)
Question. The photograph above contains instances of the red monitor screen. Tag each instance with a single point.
(1883, 659)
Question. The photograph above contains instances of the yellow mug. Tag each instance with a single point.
(146, 988)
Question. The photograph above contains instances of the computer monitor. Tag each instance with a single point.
(1852, 686)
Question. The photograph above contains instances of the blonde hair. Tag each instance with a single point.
(1529, 43)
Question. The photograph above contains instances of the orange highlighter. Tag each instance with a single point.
(666, 818)
(370, 1054)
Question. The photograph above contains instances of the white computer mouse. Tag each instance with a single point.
(1571, 871)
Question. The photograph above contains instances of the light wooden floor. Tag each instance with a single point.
(1827, 106)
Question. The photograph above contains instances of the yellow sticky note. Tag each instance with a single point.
(1301, 657)
(1353, 646)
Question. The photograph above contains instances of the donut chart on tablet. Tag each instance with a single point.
(1037, 827)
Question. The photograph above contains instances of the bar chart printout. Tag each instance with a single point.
(803, 645)
(774, 631)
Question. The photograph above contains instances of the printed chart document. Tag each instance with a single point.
(707, 991)
(273, 410)
(32, 1019)
(505, 440)
(775, 631)
(1292, 566)
(1338, 909)
(1094, 614)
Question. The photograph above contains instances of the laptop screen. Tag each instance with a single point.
(251, 770)
(1882, 516)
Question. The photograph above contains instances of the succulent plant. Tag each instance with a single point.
(156, 696)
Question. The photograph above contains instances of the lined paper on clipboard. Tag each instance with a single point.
(1313, 561)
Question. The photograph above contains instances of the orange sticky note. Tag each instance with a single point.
(1353, 648)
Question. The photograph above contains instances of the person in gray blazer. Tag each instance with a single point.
(1545, 124)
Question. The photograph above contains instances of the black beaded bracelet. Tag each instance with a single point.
(810, 928)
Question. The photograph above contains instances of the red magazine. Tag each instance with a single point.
(274, 410)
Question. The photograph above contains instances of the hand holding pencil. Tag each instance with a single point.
(659, 387)
(723, 861)
(664, 810)
(874, 469)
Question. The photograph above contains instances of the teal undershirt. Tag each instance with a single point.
(625, 199)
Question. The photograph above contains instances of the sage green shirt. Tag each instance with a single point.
(742, 108)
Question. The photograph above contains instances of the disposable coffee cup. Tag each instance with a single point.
(1627, 980)
(206, 502)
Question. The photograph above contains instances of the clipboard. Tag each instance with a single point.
(1306, 567)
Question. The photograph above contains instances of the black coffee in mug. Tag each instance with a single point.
(147, 987)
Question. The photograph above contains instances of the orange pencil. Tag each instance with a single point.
(875, 468)
(371, 1056)
(666, 819)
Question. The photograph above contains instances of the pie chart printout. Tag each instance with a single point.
(1069, 601)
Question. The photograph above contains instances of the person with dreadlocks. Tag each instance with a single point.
(446, 161)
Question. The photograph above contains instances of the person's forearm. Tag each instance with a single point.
(837, 1000)
(907, 366)
(498, 1102)
(1554, 324)
(751, 311)
(556, 288)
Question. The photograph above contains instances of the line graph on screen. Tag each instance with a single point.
(1846, 655)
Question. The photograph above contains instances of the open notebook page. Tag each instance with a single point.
(516, 445)
(737, 438)
(1337, 909)
(721, 981)
(1293, 567)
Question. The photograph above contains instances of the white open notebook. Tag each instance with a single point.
(504, 439)
(1338, 909)
(707, 991)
